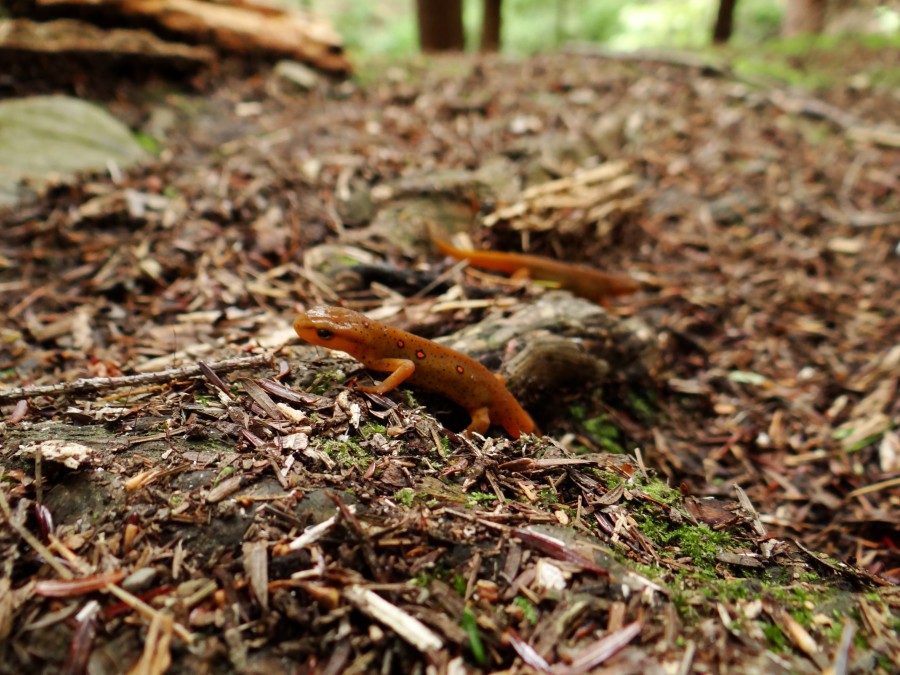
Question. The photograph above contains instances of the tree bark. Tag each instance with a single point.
(804, 16)
(440, 25)
(490, 26)
(724, 22)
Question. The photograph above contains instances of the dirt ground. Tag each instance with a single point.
(718, 484)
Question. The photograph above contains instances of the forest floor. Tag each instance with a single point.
(720, 494)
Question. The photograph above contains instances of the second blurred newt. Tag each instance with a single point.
(582, 280)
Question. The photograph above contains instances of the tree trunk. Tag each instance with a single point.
(440, 25)
(804, 16)
(724, 22)
(490, 26)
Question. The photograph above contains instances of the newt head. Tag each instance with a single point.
(335, 328)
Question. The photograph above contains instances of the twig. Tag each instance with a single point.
(851, 125)
(404, 624)
(850, 214)
(147, 611)
(92, 384)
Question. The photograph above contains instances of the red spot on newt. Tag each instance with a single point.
(479, 391)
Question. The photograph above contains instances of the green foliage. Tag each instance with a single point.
(757, 20)
(459, 584)
(674, 23)
(783, 72)
(389, 27)
(224, 473)
(531, 26)
(149, 143)
(469, 624)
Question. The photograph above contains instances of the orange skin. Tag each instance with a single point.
(582, 280)
(421, 362)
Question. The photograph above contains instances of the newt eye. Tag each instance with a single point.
(324, 334)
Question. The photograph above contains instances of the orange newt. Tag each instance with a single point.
(421, 362)
(582, 280)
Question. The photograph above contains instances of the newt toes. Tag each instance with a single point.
(421, 362)
(582, 280)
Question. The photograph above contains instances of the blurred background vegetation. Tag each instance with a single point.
(388, 27)
(375, 33)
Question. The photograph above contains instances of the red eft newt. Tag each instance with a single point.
(421, 362)
(582, 280)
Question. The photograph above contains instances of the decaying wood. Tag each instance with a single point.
(67, 36)
(598, 191)
(243, 27)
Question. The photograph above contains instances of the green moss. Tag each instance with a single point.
(644, 404)
(529, 611)
(409, 399)
(610, 480)
(459, 584)
(548, 497)
(474, 498)
(371, 428)
(601, 429)
(699, 542)
(726, 589)
(658, 490)
(347, 452)
(325, 378)
(702, 544)
(405, 496)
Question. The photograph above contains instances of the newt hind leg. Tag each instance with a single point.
(481, 420)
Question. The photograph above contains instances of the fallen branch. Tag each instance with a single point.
(801, 104)
(93, 384)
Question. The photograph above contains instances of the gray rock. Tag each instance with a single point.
(45, 138)
(296, 74)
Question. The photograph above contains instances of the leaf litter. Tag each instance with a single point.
(720, 494)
